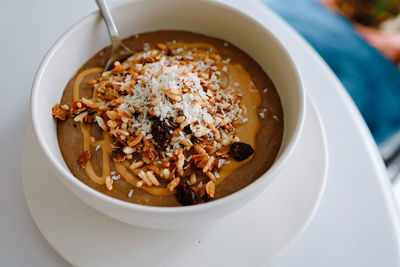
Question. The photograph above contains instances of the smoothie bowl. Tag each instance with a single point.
(189, 128)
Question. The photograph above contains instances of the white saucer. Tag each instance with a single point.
(253, 236)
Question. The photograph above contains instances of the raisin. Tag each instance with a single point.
(160, 131)
(185, 194)
(187, 129)
(241, 151)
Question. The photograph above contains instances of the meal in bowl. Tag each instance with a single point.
(186, 119)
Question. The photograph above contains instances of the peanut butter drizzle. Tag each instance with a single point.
(79, 79)
(86, 134)
(193, 45)
(247, 132)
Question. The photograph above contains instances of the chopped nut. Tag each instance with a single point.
(187, 143)
(154, 169)
(135, 141)
(152, 178)
(101, 123)
(210, 189)
(184, 124)
(90, 103)
(199, 149)
(216, 133)
(112, 115)
(103, 107)
(92, 82)
(80, 116)
(185, 72)
(193, 178)
(142, 175)
(180, 119)
(84, 158)
(65, 107)
(180, 162)
(202, 133)
(123, 132)
(173, 184)
(112, 124)
(162, 46)
(139, 184)
(226, 141)
(222, 153)
(211, 176)
(165, 164)
(210, 162)
(165, 173)
(225, 121)
(77, 107)
(59, 113)
(128, 150)
(136, 165)
(237, 122)
(174, 94)
(109, 183)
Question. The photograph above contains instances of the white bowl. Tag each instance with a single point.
(88, 36)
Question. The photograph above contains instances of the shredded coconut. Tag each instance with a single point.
(262, 113)
(130, 193)
(116, 177)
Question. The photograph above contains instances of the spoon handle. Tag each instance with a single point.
(105, 11)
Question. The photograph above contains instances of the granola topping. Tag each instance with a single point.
(59, 112)
(172, 118)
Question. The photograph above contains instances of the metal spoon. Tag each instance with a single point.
(118, 50)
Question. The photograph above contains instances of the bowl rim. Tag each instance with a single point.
(265, 177)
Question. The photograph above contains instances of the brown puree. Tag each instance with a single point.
(263, 130)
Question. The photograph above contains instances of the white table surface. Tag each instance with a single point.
(357, 223)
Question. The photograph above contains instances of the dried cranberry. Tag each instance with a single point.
(206, 198)
(185, 194)
(160, 131)
(241, 151)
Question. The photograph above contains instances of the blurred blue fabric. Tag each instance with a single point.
(372, 81)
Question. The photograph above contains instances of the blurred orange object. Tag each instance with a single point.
(387, 42)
